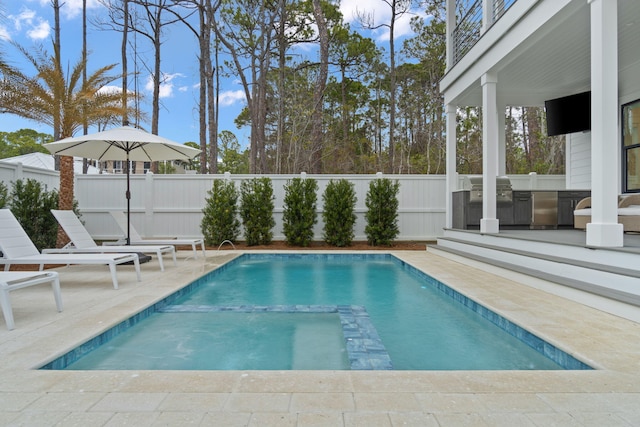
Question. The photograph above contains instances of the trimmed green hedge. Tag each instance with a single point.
(256, 210)
(339, 212)
(220, 220)
(299, 214)
(382, 212)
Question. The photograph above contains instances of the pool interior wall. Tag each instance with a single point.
(550, 351)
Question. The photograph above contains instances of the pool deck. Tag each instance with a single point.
(608, 395)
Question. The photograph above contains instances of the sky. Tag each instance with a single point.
(30, 24)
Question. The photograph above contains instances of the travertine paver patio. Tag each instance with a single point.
(609, 395)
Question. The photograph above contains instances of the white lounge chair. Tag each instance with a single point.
(82, 242)
(17, 248)
(12, 280)
(136, 239)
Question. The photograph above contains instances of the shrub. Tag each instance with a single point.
(4, 194)
(339, 212)
(299, 213)
(256, 211)
(220, 221)
(31, 204)
(382, 212)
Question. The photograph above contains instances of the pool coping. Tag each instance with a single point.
(608, 394)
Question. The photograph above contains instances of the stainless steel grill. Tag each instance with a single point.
(504, 191)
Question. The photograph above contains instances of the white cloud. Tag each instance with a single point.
(166, 84)
(4, 33)
(350, 9)
(24, 18)
(40, 31)
(231, 97)
(110, 89)
(73, 8)
(36, 28)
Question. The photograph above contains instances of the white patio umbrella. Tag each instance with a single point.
(123, 143)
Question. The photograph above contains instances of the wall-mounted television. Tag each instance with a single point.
(568, 114)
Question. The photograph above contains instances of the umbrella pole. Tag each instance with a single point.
(128, 195)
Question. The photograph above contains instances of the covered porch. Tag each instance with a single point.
(530, 53)
(535, 51)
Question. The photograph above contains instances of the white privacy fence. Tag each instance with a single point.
(171, 205)
(12, 172)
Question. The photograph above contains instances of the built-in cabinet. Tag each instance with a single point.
(522, 208)
(567, 201)
(518, 214)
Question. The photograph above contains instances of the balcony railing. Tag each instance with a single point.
(469, 17)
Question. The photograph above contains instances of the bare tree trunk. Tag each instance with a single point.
(56, 46)
(157, 72)
(154, 17)
(203, 40)
(64, 163)
(282, 50)
(257, 19)
(214, 93)
(262, 119)
(392, 88)
(321, 83)
(345, 114)
(85, 126)
(124, 62)
(212, 108)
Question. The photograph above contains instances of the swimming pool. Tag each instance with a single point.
(317, 311)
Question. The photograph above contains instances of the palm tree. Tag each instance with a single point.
(64, 102)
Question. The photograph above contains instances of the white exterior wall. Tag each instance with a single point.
(578, 161)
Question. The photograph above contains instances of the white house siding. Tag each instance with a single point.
(578, 161)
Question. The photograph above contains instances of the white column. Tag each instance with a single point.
(604, 229)
(451, 25)
(489, 222)
(487, 15)
(451, 166)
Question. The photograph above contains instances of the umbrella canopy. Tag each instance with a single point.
(123, 143)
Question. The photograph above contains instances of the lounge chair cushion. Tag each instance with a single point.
(628, 213)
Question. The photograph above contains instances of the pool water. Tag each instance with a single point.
(264, 311)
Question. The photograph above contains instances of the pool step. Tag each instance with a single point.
(611, 274)
(364, 346)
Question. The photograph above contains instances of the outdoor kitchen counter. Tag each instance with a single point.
(527, 209)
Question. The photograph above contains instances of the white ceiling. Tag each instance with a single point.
(555, 61)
